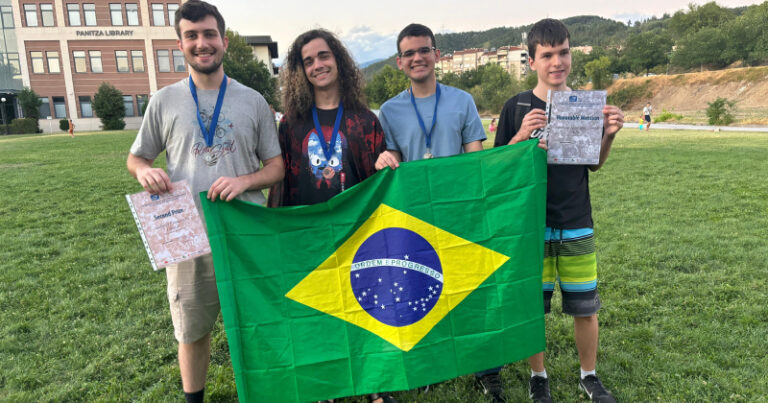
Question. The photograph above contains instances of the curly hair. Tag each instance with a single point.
(298, 93)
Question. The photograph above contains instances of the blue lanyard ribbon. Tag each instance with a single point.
(328, 147)
(428, 136)
(209, 132)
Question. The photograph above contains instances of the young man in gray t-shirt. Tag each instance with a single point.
(216, 133)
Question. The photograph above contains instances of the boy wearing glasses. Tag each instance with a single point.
(428, 119)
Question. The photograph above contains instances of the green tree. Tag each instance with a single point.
(709, 15)
(386, 84)
(495, 88)
(30, 103)
(599, 72)
(530, 81)
(704, 48)
(109, 107)
(647, 50)
(240, 64)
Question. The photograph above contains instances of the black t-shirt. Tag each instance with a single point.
(568, 203)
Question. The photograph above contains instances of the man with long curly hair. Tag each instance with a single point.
(330, 140)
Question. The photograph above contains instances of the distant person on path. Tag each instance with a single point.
(428, 119)
(216, 132)
(569, 243)
(71, 129)
(492, 126)
(323, 159)
(647, 115)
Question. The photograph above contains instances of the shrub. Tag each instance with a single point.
(64, 125)
(720, 111)
(21, 126)
(113, 124)
(667, 115)
(109, 107)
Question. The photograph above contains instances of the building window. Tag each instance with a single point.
(163, 63)
(90, 14)
(53, 62)
(7, 12)
(73, 13)
(13, 60)
(137, 59)
(37, 62)
(95, 61)
(86, 110)
(116, 13)
(128, 102)
(172, 13)
(140, 101)
(46, 12)
(132, 13)
(45, 108)
(59, 108)
(158, 17)
(121, 56)
(178, 61)
(79, 57)
(30, 14)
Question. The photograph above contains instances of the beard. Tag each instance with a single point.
(212, 68)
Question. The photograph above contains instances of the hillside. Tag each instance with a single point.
(688, 94)
(585, 30)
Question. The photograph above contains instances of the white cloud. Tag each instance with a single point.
(365, 44)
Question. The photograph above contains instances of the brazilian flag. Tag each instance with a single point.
(412, 277)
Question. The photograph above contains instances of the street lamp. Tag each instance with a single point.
(4, 124)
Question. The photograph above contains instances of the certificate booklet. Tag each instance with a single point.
(575, 128)
(169, 225)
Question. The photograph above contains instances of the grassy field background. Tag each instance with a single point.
(680, 221)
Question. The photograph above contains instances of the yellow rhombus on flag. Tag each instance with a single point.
(453, 268)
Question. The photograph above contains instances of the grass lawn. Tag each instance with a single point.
(683, 261)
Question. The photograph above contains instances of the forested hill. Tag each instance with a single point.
(696, 27)
(585, 30)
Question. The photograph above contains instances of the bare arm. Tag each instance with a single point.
(227, 188)
(473, 146)
(153, 180)
(613, 119)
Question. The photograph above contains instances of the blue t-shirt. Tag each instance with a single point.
(457, 123)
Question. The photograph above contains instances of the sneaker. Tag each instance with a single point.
(491, 385)
(539, 389)
(595, 390)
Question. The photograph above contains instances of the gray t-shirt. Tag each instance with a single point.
(457, 123)
(245, 135)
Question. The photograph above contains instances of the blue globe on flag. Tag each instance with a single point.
(396, 276)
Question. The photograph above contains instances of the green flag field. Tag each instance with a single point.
(680, 228)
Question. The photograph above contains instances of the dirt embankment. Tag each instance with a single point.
(688, 94)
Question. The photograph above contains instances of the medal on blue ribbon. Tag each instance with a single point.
(210, 131)
(427, 135)
(328, 148)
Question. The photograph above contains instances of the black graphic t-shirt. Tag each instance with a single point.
(310, 175)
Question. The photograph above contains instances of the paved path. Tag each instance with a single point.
(761, 129)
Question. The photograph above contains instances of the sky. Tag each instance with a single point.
(369, 28)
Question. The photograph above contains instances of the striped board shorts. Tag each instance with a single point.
(570, 260)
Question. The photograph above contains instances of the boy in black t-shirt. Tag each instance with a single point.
(570, 248)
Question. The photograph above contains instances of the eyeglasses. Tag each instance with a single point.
(421, 51)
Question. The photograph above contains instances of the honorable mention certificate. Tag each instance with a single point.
(575, 128)
(169, 225)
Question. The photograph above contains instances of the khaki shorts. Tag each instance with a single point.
(193, 297)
